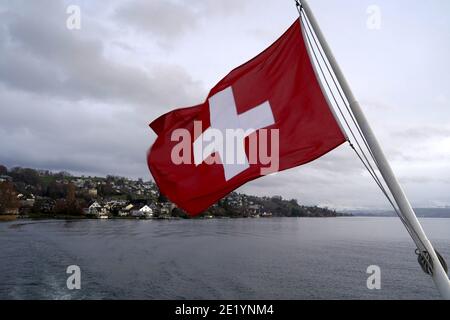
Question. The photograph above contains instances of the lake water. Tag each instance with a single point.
(278, 258)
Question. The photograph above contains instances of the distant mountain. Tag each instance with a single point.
(420, 212)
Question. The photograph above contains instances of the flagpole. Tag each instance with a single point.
(439, 275)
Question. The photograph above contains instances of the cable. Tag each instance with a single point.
(366, 161)
(335, 81)
(331, 91)
(364, 158)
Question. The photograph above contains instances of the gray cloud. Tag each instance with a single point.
(168, 20)
(163, 19)
(45, 58)
(70, 107)
(423, 133)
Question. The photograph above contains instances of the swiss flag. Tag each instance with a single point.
(275, 98)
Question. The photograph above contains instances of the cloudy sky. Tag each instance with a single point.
(81, 100)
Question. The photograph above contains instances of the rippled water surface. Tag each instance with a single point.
(279, 258)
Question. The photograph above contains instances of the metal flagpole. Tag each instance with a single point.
(439, 275)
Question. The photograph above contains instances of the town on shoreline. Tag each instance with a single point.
(30, 193)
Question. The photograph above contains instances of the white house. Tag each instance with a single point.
(147, 211)
(97, 209)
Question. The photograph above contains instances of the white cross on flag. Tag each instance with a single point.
(224, 116)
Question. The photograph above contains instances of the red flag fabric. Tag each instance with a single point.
(276, 93)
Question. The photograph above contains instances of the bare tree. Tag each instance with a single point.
(8, 197)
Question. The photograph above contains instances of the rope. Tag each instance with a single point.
(367, 162)
(363, 158)
(344, 100)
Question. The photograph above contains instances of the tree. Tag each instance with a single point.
(8, 197)
(70, 205)
(3, 170)
(55, 190)
(62, 175)
(177, 212)
(162, 198)
(25, 175)
(73, 208)
(70, 198)
(106, 190)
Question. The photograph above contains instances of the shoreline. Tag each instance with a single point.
(9, 218)
(5, 219)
